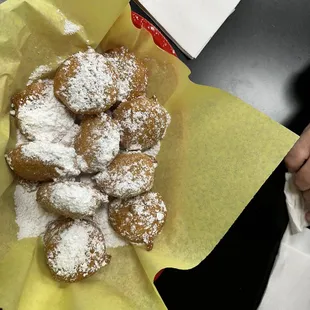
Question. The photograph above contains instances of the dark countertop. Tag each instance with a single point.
(257, 54)
(261, 54)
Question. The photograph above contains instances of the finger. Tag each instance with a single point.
(299, 153)
(306, 128)
(307, 216)
(302, 177)
(306, 196)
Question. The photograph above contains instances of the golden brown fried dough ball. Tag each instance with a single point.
(127, 175)
(143, 123)
(70, 199)
(75, 249)
(131, 73)
(140, 219)
(39, 115)
(43, 161)
(32, 90)
(97, 143)
(86, 83)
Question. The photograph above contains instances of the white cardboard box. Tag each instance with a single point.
(189, 23)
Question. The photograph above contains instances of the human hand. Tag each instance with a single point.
(298, 162)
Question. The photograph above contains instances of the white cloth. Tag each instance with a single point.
(190, 24)
(289, 284)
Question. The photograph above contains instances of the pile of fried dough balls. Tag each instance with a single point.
(93, 119)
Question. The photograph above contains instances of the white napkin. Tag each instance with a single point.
(295, 205)
(190, 24)
(289, 284)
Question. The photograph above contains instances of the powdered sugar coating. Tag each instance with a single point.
(70, 28)
(53, 154)
(131, 73)
(143, 123)
(106, 148)
(30, 217)
(85, 82)
(39, 72)
(139, 219)
(112, 240)
(69, 138)
(88, 179)
(98, 143)
(100, 215)
(75, 249)
(9, 160)
(20, 138)
(42, 117)
(127, 176)
(42, 161)
(71, 199)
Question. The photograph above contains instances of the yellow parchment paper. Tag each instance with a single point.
(217, 153)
